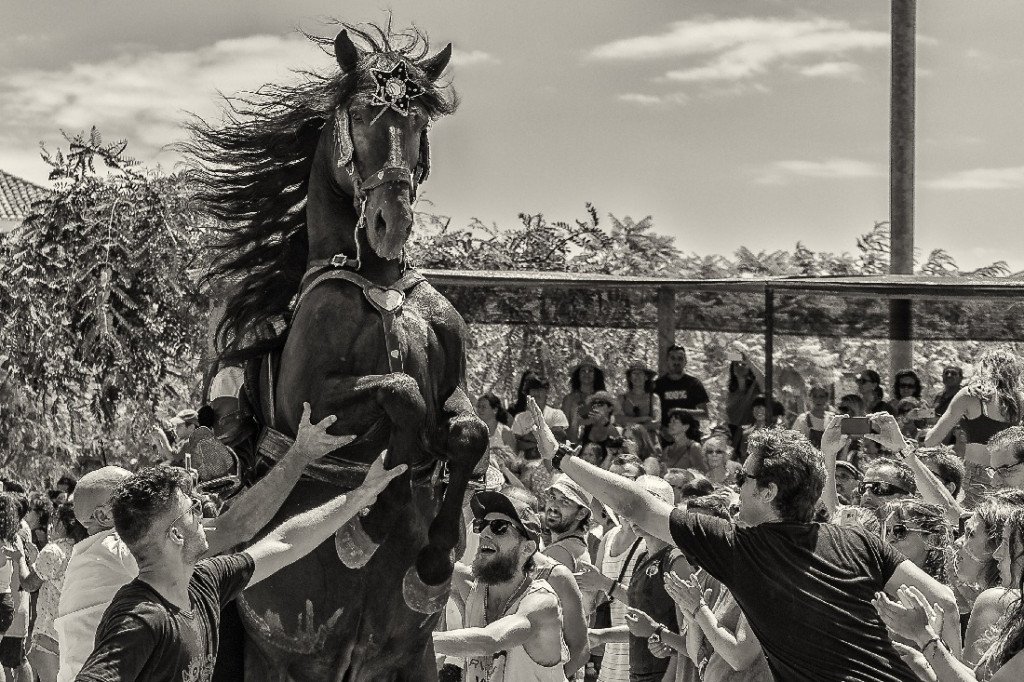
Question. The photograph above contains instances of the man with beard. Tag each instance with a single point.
(513, 620)
(163, 625)
(567, 514)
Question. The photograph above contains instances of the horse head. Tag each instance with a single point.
(380, 152)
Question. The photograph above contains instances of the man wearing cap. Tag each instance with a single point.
(102, 563)
(595, 426)
(676, 388)
(567, 513)
(513, 620)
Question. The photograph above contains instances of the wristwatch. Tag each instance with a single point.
(656, 635)
(562, 452)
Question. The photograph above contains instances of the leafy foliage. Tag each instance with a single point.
(105, 315)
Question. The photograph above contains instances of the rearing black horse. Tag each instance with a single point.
(315, 184)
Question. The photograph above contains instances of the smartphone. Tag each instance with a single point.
(734, 357)
(855, 426)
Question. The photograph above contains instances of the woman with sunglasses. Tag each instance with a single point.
(921, 533)
(722, 468)
(992, 401)
(1003, 658)
(906, 385)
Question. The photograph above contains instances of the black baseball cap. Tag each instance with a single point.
(492, 502)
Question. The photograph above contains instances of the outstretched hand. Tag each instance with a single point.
(313, 441)
(589, 577)
(547, 444)
(378, 478)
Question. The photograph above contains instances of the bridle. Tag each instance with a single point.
(395, 169)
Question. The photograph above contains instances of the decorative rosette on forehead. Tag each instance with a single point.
(395, 89)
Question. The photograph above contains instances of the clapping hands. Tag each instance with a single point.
(687, 594)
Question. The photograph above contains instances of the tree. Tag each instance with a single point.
(105, 315)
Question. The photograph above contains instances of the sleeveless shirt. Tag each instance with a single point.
(615, 664)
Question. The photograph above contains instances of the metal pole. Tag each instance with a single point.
(901, 176)
(666, 325)
(769, 350)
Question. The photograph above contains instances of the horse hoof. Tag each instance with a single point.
(353, 545)
(423, 598)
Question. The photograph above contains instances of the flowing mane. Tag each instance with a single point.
(253, 169)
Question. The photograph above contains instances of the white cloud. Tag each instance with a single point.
(784, 172)
(471, 58)
(981, 178)
(653, 100)
(142, 95)
(738, 49)
(830, 70)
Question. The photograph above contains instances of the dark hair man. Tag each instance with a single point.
(162, 625)
(676, 388)
(513, 626)
(567, 512)
(806, 588)
(102, 563)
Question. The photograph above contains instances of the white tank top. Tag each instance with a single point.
(615, 664)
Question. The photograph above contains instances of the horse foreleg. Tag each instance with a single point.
(427, 590)
(400, 398)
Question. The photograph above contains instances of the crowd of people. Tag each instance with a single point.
(864, 539)
(631, 535)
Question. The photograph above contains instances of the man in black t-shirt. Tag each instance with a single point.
(163, 625)
(806, 588)
(677, 389)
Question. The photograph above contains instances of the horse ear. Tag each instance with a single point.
(436, 65)
(346, 52)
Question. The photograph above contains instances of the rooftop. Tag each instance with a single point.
(16, 197)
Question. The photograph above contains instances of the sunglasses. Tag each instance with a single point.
(498, 526)
(908, 385)
(880, 488)
(742, 476)
(900, 531)
(195, 510)
(860, 381)
(716, 452)
(1002, 471)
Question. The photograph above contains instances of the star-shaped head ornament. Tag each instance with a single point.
(395, 89)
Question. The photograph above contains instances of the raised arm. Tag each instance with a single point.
(951, 417)
(832, 442)
(301, 534)
(619, 493)
(254, 509)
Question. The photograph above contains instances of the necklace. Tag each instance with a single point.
(512, 597)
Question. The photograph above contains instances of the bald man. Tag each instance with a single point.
(102, 563)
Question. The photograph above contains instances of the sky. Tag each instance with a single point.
(755, 123)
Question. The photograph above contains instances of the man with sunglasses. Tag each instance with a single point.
(163, 625)
(102, 563)
(806, 588)
(513, 624)
(1006, 452)
(886, 480)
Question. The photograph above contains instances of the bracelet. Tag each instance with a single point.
(562, 452)
(934, 640)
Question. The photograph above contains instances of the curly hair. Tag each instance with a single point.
(1000, 373)
(693, 431)
(787, 459)
(901, 472)
(932, 519)
(10, 517)
(1012, 437)
(143, 497)
(994, 510)
(1009, 641)
(574, 379)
